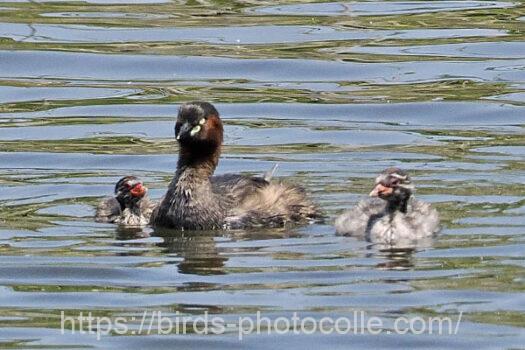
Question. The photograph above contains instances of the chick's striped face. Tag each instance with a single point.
(130, 186)
(392, 182)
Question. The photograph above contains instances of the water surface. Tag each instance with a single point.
(332, 91)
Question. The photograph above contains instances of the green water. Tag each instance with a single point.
(334, 93)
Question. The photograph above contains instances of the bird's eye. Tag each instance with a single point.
(395, 182)
(127, 185)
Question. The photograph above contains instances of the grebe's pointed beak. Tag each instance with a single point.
(184, 131)
(381, 191)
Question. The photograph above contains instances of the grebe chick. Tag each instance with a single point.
(392, 214)
(196, 200)
(130, 206)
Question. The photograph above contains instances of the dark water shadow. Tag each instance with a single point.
(198, 250)
(399, 255)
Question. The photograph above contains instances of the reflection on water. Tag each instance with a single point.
(198, 251)
(227, 35)
(485, 50)
(372, 8)
(334, 92)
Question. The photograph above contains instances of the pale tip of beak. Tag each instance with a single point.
(177, 137)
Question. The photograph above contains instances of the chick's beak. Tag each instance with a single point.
(381, 191)
(138, 191)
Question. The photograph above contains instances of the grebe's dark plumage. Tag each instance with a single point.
(130, 206)
(197, 200)
(392, 214)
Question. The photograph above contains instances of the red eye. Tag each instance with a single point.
(128, 186)
(395, 182)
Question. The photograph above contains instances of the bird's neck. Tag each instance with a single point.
(200, 162)
(133, 206)
(398, 205)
